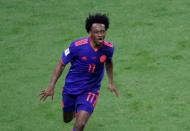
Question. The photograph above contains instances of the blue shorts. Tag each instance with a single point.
(76, 103)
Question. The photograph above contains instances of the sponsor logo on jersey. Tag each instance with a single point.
(84, 58)
(94, 58)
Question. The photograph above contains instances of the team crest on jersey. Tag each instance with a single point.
(67, 51)
(103, 58)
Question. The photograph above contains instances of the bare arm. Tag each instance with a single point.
(57, 73)
(109, 70)
(49, 91)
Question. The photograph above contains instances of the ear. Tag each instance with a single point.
(90, 34)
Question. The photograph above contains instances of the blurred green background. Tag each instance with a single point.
(152, 72)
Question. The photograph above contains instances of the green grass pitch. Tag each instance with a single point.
(152, 65)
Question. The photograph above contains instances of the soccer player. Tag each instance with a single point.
(88, 57)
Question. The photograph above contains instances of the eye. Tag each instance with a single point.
(102, 31)
(96, 32)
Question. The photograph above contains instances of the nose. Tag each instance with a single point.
(100, 34)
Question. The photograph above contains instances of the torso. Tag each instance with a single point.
(87, 67)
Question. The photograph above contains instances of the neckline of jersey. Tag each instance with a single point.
(91, 46)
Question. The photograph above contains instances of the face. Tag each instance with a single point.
(98, 33)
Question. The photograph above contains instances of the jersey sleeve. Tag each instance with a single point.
(69, 54)
(110, 54)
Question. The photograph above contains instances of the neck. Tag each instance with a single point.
(95, 46)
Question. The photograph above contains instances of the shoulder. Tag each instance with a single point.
(77, 45)
(108, 48)
(80, 42)
(108, 44)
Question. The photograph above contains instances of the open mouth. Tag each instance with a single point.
(100, 39)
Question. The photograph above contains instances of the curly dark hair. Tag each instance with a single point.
(96, 18)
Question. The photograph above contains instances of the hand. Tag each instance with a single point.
(47, 92)
(113, 89)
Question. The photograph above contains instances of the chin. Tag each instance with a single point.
(101, 42)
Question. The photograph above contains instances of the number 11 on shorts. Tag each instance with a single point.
(92, 98)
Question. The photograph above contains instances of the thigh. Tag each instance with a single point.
(68, 106)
